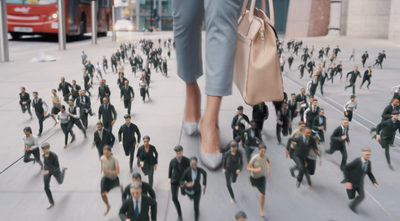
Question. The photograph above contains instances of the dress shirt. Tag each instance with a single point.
(77, 110)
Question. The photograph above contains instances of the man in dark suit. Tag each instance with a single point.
(175, 171)
(90, 68)
(121, 81)
(51, 168)
(386, 130)
(260, 114)
(41, 113)
(311, 66)
(303, 145)
(193, 187)
(75, 90)
(364, 58)
(312, 86)
(387, 114)
(130, 209)
(109, 114)
(302, 101)
(381, 57)
(251, 139)
(128, 96)
(87, 78)
(336, 50)
(114, 62)
(84, 104)
(283, 122)
(321, 78)
(311, 112)
(319, 125)
(367, 77)
(354, 173)
(304, 57)
(354, 74)
(128, 130)
(339, 138)
(147, 190)
(292, 106)
(104, 91)
(75, 116)
(102, 137)
(239, 123)
(64, 87)
(327, 49)
(278, 104)
(147, 70)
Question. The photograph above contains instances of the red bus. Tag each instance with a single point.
(40, 17)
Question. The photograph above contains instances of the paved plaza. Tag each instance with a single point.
(21, 186)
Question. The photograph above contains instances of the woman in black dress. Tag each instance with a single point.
(147, 158)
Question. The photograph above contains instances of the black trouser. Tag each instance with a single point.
(352, 193)
(196, 198)
(129, 149)
(293, 114)
(114, 65)
(165, 71)
(91, 79)
(349, 115)
(310, 71)
(128, 105)
(364, 80)
(302, 114)
(77, 123)
(100, 151)
(331, 78)
(343, 151)
(260, 124)
(312, 92)
(148, 170)
(300, 166)
(363, 62)
(174, 191)
(352, 85)
(84, 117)
(41, 118)
(385, 145)
(310, 169)
(284, 129)
(66, 98)
(248, 151)
(290, 65)
(105, 66)
(281, 68)
(321, 85)
(230, 177)
(340, 72)
(26, 107)
(87, 87)
(143, 93)
(134, 69)
(36, 154)
(108, 125)
(46, 178)
(64, 128)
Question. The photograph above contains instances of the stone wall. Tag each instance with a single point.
(394, 24)
(319, 18)
(298, 18)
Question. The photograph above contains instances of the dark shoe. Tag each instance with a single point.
(84, 134)
(50, 206)
(131, 170)
(392, 145)
(374, 137)
(298, 184)
(292, 172)
(39, 135)
(179, 218)
(391, 167)
(368, 88)
(353, 209)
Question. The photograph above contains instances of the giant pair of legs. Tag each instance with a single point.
(221, 35)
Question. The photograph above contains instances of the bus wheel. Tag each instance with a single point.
(15, 36)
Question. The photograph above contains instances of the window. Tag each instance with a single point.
(32, 2)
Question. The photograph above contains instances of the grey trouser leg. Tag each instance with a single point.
(221, 35)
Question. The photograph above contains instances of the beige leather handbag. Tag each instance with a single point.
(257, 72)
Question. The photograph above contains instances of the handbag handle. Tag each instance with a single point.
(263, 8)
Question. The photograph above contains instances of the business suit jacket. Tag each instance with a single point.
(387, 112)
(83, 105)
(354, 75)
(316, 124)
(24, 98)
(241, 126)
(353, 173)
(301, 97)
(108, 115)
(364, 57)
(108, 139)
(292, 106)
(301, 149)
(153, 155)
(366, 76)
(129, 138)
(65, 89)
(121, 83)
(249, 141)
(187, 176)
(103, 90)
(174, 173)
(321, 78)
(146, 189)
(127, 93)
(74, 93)
(336, 138)
(257, 114)
(52, 164)
(127, 207)
(386, 130)
(311, 65)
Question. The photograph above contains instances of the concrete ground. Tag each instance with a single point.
(21, 186)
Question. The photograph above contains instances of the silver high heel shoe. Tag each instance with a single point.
(191, 128)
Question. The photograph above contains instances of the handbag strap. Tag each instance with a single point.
(263, 8)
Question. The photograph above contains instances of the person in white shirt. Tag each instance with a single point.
(63, 120)
(98, 71)
(352, 55)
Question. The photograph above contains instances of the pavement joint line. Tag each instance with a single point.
(334, 108)
(96, 102)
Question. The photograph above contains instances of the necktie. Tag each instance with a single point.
(364, 168)
(129, 128)
(394, 125)
(106, 107)
(71, 109)
(344, 131)
(137, 209)
(261, 108)
(306, 141)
